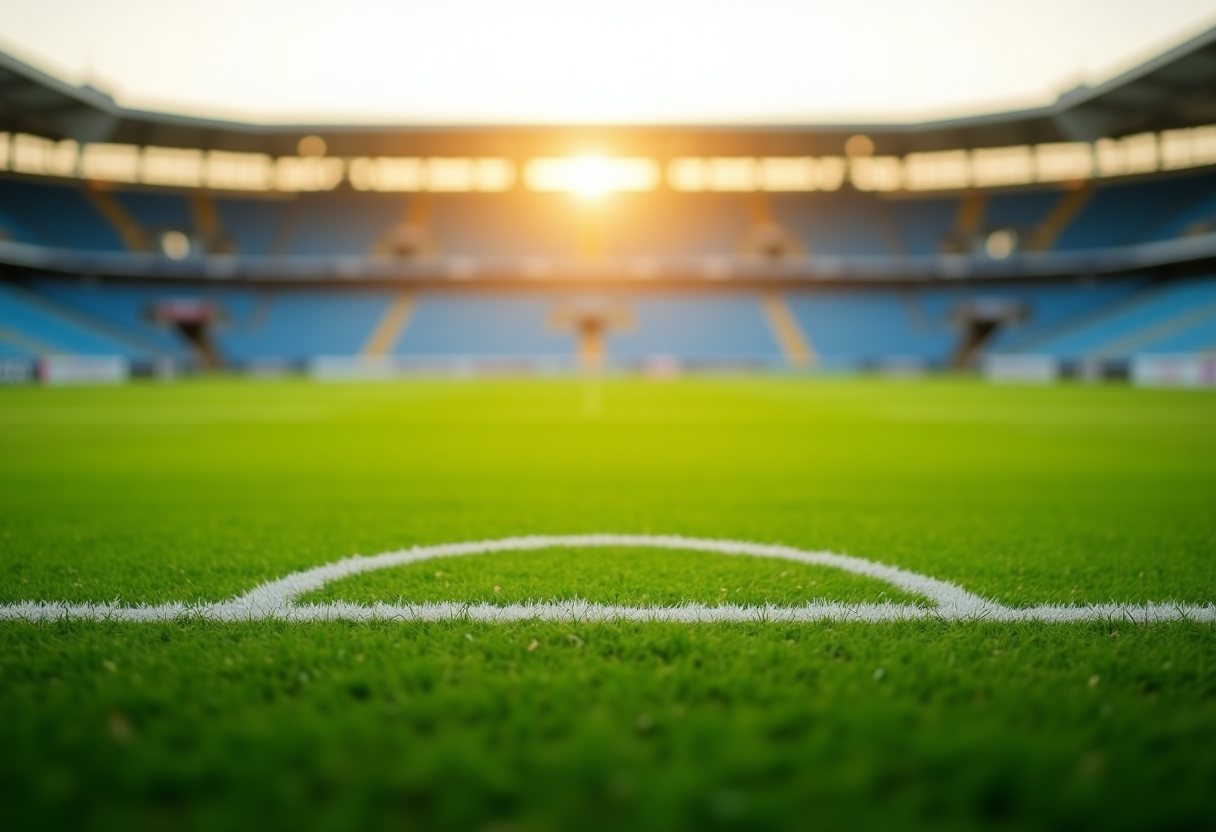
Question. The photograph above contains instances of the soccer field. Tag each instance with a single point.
(203, 490)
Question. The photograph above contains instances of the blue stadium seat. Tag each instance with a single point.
(57, 215)
(521, 225)
(709, 329)
(1195, 214)
(296, 324)
(839, 223)
(124, 306)
(254, 224)
(341, 222)
(157, 210)
(43, 322)
(12, 227)
(508, 325)
(1047, 305)
(672, 224)
(922, 224)
(1199, 336)
(1022, 211)
(1143, 320)
(1120, 213)
(853, 328)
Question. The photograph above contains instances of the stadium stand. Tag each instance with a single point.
(157, 210)
(524, 225)
(1157, 319)
(1122, 213)
(714, 330)
(34, 324)
(122, 306)
(924, 225)
(338, 223)
(55, 214)
(505, 326)
(285, 257)
(836, 224)
(254, 225)
(295, 325)
(846, 222)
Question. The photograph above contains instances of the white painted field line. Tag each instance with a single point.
(279, 600)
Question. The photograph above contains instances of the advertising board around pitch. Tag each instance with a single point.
(54, 370)
(1179, 370)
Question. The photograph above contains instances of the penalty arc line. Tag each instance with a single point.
(279, 599)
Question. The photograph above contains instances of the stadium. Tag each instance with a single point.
(686, 476)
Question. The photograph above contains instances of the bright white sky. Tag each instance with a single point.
(498, 61)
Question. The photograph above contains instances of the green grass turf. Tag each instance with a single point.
(636, 576)
(201, 490)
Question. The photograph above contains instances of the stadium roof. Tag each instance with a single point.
(1176, 89)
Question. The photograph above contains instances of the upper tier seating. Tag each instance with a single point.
(255, 226)
(663, 223)
(922, 224)
(342, 222)
(844, 222)
(1120, 213)
(54, 215)
(157, 210)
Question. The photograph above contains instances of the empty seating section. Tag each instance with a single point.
(1021, 211)
(1131, 212)
(923, 224)
(850, 329)
(499, 325)
(121, 305)
(156, 210)
(663, 223)
(294, 325)
(1199, 336)
(847, 328)
(290, 324)
(33, 323)
(841, 223)
(13, 346)
(12, 227)
(713, 329)
(56, 215)
(254, 226)
(1154, 320)
(341, 222)
(674, 224)
(533, 225)
(1051, 306)
(1046, 306)
(1195, 216)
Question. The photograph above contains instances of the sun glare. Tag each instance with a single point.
(590, 177)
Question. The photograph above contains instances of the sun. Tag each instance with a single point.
(590, 177)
